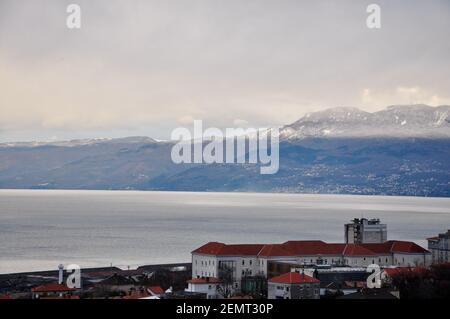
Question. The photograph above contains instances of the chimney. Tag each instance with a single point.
(60, 274)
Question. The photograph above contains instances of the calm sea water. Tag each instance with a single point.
(40, 229)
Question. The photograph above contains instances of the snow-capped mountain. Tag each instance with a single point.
(395, 121)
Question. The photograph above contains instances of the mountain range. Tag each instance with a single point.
(394, 121)
(402, 150)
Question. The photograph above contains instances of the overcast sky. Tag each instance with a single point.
(146, 67)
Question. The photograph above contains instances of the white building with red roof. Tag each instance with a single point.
(293, 285)
(242, 260)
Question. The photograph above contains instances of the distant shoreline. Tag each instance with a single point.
(51, 273)
(215, 192)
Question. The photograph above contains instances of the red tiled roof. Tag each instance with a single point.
(246, 250)
(357, 250)
(275, 250)
(313, 247)
(155, 290)
(293, 278)
(310, 247)
(399, 270)
(52, 287)
(433, 238)
(379, 248)
(209, 280)
(211, 248)
(406, 247)
(215, 248)
(395, 246)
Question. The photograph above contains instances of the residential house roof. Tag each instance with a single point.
(294, 278)
(155, 290)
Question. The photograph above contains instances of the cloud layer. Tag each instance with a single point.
(145, 67)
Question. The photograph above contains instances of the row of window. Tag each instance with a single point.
(319, 261)
(206, 263)
(205, 274)
(338, 261)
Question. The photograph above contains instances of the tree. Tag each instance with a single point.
(226, 275)
(423, 283)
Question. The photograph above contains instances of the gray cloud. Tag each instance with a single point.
(143, 67)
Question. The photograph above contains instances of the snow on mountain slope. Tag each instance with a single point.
(394, 121)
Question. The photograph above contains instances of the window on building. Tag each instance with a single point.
(251, 262)
(243, 262)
